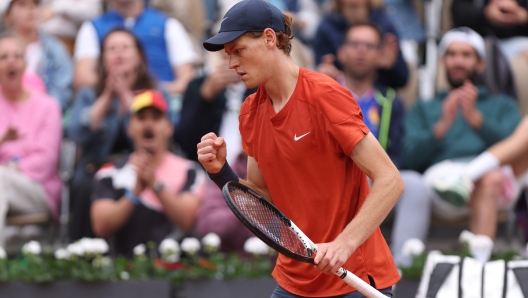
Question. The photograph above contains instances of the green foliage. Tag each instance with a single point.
(45, 268)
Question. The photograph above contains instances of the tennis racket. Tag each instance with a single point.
(274, 228)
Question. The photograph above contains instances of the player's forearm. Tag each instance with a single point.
(384, 194)
(263, 191)
(180, 209)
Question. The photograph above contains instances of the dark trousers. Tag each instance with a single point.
(282, 293)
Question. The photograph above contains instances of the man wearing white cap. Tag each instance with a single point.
(443, 134)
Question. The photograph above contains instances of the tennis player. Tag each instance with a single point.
(309, 151)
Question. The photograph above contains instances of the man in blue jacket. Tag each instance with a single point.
(383, 113)
(167, 45)
(443, 134)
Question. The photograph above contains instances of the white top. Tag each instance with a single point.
(33, 57)
(179, 45)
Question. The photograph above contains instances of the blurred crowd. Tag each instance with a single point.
(129, 83)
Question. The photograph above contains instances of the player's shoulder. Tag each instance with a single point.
(328, 96)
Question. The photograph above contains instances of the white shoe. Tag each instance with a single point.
(455, 190)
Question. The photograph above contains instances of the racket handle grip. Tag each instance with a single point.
(358, 284)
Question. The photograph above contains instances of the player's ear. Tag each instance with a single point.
(270, 38)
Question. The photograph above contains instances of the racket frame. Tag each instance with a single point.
(307, 243)
(347, 276)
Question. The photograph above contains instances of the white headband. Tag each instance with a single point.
(463, 34)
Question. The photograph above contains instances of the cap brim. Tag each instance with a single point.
(217, 42)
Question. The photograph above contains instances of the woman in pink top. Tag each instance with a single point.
(30, 136)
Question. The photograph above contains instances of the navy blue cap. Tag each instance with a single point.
(246, 16)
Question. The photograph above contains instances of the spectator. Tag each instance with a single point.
(30, 136)
(212, 104)
(45, 55)
(457, 125)
(383, 113)
(144, 196)
(190, 13)
(504, 19)
(409, 27)
(62, 18)
(392, 70)
(509, 153)
(168, 48)
(100, 114)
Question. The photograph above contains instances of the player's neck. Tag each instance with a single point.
(280, 87)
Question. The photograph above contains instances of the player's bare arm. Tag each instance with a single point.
(387, 187)
(212, 152)
(255, 180)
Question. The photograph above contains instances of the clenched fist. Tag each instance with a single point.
(212, 152)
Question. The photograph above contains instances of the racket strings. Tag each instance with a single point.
(267, 221)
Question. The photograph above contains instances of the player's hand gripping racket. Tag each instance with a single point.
(273, 227)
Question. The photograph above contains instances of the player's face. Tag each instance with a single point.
(121, 53)
(248, 57)
(360, 52)
(12, 63)
(23, 15)
(150, 130)
(462, 63)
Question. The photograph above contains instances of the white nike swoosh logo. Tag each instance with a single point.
(296, 138)
(223, 20)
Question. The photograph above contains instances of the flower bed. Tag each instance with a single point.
(85, 261)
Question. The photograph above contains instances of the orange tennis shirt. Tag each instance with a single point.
(303, 152)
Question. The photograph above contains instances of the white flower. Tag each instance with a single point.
(3, 254)
(465, 237)
(256, 246)
(32, 247)
(75, 249)
(94, 246)
(169, 246)
(211, 242)
(62, 254)
(480, 247)
(99, 246)
(140, 250)
(190, 245)
(124, 275)
(87, 245)
(413, 247)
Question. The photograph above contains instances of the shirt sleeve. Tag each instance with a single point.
(87, 43)
(179, 44)
(344, 120)
(196, 182)
(103, 189)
